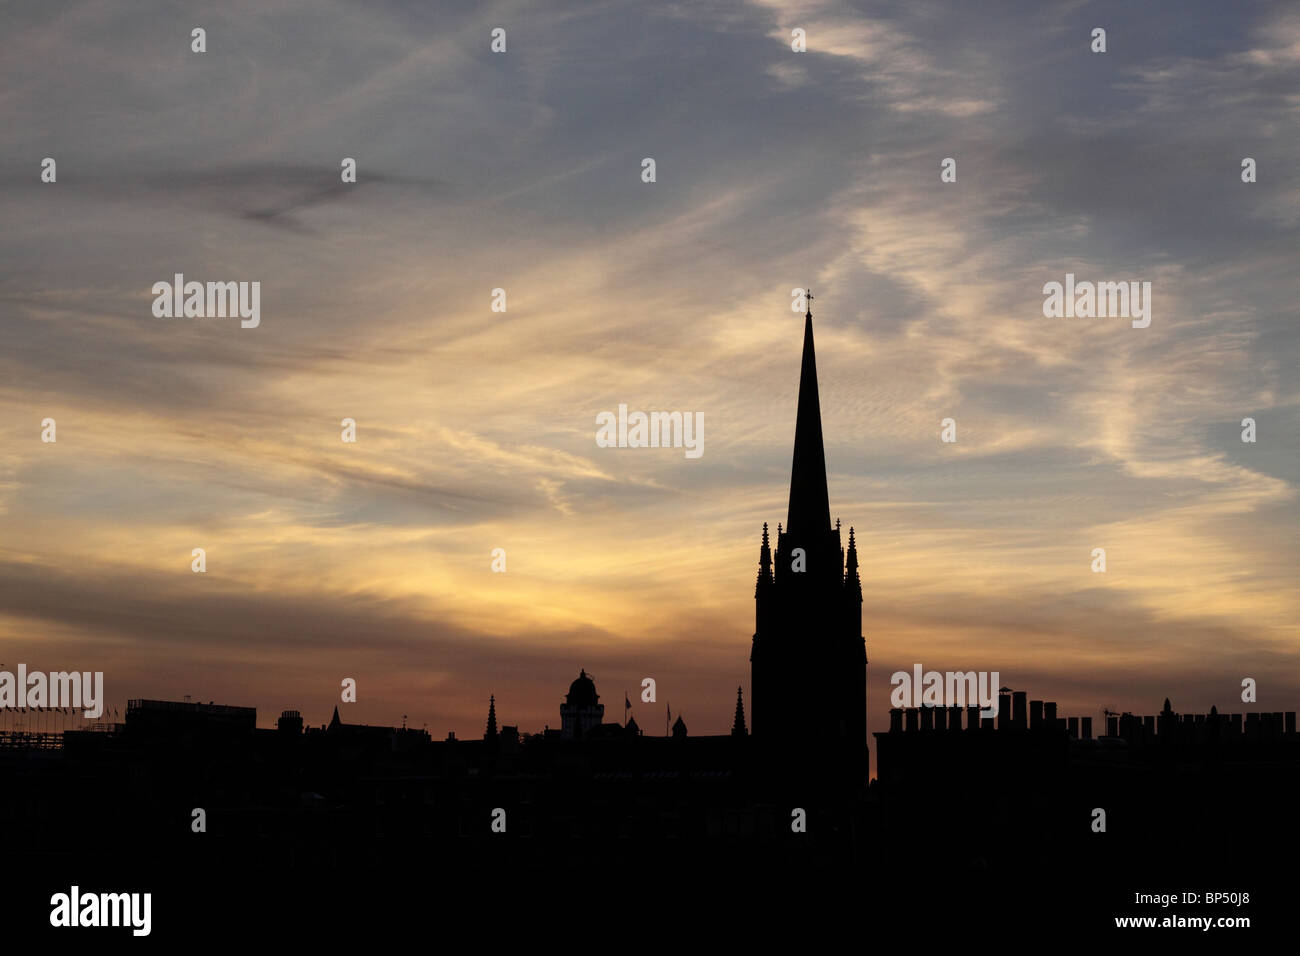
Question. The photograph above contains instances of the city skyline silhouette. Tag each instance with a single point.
(796, 620)
(197, 787)
(644, 471)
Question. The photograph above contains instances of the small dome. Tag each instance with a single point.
(582, 692)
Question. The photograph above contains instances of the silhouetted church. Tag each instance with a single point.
(808, 691)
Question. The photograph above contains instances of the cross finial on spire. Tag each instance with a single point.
(810, 298)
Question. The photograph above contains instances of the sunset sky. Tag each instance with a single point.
(476, 430)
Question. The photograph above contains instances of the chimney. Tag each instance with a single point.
(1036, 714)
(895, 720)
(911, 719)
(1018, 699)
(1086, 728)
(290, 723)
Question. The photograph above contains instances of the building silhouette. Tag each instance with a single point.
(581, 711)
(808, 664)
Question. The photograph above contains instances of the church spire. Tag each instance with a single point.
(810, 509)
(492, 719)
(807, 690)
(738, 726)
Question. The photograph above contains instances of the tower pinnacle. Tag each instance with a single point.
(738, 725)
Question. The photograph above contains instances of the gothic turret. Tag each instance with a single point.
(764, 564)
